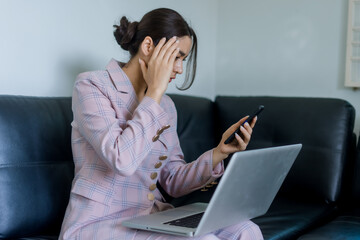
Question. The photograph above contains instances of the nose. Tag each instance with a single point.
(178, 66)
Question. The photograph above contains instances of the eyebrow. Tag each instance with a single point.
(182, 53)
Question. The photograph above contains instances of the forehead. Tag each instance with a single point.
(185, 43)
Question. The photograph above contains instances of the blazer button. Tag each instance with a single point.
(152, 187)
(153, 175)
(165, 127)
(161, 130)
(150, 196)
(163, 157)
(158, 165)
(155, 138)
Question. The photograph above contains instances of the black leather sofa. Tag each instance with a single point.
(347, 223)
(319, 193)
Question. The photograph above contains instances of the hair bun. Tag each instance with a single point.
(125, 33)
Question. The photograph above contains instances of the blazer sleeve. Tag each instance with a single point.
(179, 178)
(121, 149)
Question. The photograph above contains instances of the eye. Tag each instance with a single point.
(179, 57)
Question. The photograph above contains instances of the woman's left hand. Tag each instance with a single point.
(223, 150)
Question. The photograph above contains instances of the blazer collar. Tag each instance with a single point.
(122, 84)
(120, 79)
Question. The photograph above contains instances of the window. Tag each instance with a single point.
(352, 75)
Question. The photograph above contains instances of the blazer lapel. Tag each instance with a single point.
(122, 84)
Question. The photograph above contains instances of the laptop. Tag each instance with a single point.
(246, 190)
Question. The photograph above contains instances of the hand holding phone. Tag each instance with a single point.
(249, 119)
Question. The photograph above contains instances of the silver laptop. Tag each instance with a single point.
(246, 190)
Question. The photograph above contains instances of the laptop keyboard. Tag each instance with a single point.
(191, 221)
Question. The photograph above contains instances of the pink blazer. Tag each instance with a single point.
(121, 148)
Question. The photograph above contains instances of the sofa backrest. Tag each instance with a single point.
(195, 125)
(356, 180)
(36, 166)
(195, 128)
(324, 126)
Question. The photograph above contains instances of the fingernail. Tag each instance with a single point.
(174, 37)
(242, 128)
(246, 124)
(139, 60)
(177, 41)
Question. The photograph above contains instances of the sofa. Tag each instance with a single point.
(321, 191)
(346, 225)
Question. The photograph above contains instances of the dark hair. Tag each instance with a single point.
(158, 23)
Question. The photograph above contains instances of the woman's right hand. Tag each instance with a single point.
(223, 150)
(158, 70)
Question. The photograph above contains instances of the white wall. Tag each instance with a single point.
(259, 47)
(44, 44)
(284, 48)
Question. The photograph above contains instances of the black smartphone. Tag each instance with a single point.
(249, 119)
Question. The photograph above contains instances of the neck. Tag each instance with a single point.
(134, 73)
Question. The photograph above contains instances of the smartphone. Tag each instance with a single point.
(249, 119)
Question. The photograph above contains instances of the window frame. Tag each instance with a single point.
(351, 60)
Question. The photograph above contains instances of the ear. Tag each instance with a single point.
(147, 47)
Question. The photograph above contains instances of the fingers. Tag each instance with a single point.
(158, 48)
(165, 46)
(172, 52)
(168, 48)
(165, 52)
(248, 128)
(253, 122)
(241, 140)
(237, 125)
(158, 69)
(246, 131)
(173, 55)
(241, 144)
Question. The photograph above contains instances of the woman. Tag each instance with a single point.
(124, 136)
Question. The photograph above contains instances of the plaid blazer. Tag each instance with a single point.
(121, 148)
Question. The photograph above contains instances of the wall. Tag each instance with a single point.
(284, 48)
(45, 44)
(262, 47)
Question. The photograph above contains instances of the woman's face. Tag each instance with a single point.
(184, 49)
